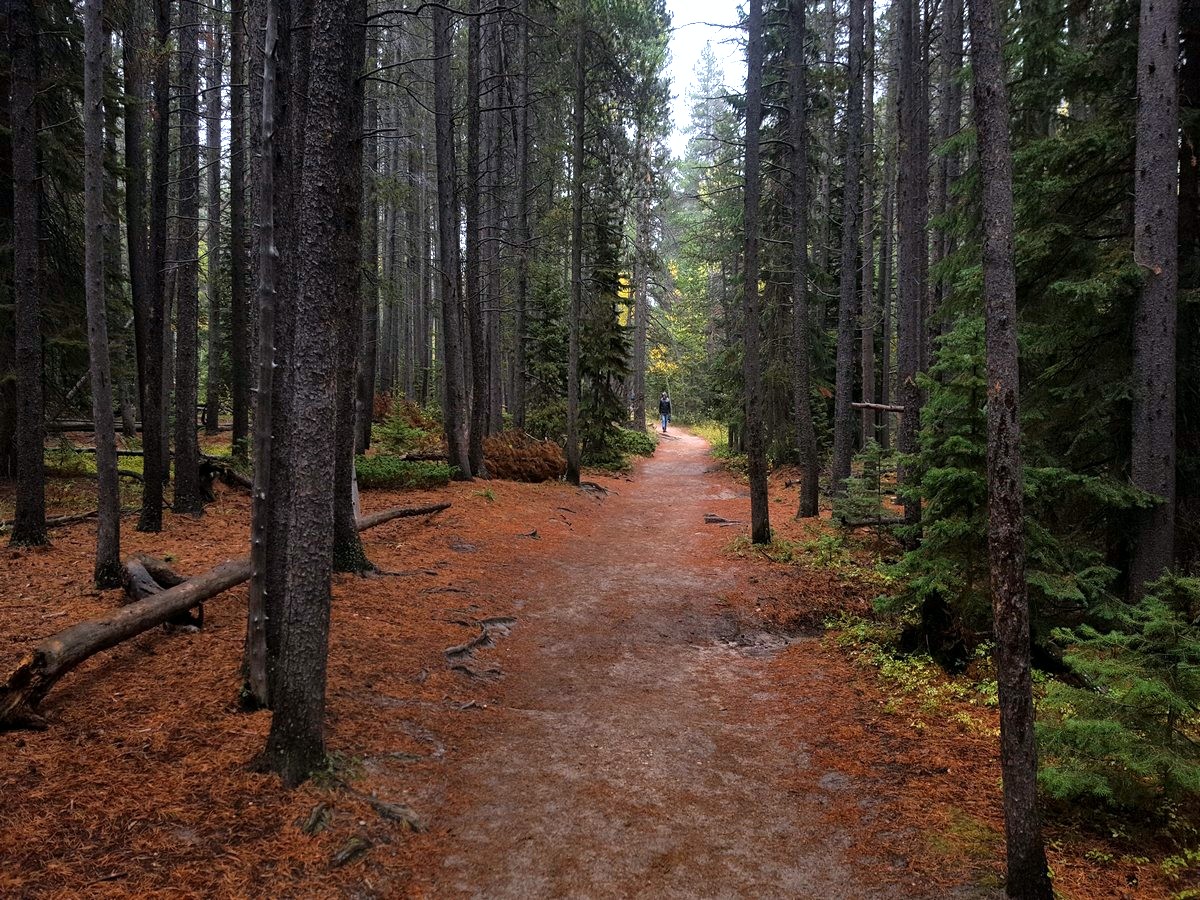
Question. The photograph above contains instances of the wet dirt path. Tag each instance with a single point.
(637, 752)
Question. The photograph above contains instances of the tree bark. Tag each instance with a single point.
(474, 294)
(212, 279)
(370, 261)
(912, 188)
(348, 552)
(153, 408)
(295, 745)
(456, 412)
(239, 309)
(108, 529)
(806, 437)
(256, 688)
(1155, 250)
(523, 237)
(848, 308)
(867, 312)
(578, 121)
(29, 525)
(187, 452)
(1028, 876)
(756, 454)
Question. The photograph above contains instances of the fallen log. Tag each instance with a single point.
(878, 520)
(73, 518)
(144, 576)
(880, 407)
(226, 472)
(54, 657)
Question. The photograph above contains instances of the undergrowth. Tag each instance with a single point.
(386, 471)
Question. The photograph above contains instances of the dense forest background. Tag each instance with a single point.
(369, 239)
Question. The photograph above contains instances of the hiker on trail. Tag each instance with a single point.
(664, 410)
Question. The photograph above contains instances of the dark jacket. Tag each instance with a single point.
(664, 406)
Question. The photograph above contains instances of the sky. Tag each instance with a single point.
(695, 23)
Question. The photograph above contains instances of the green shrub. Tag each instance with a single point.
(408, 429)
(636, 443)
(1130, 736)
(385, 471)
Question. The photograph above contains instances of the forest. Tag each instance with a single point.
(445, 451)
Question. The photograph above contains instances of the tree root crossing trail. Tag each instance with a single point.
(638, 754)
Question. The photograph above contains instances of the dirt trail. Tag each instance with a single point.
(637, 753)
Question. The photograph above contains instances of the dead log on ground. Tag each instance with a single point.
(54, 657)
(879, 407)
(144, 576)
(877, 521)
(73, 518)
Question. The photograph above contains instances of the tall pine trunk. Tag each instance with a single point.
(295, 744)
(348, 552)
(912, 189)
(456, 410)
(579, 119)
(256, 690)
(29, 525)
(474, 294)
(239, 309)
(1155, 250)
(187, 451)
(154, 460)
(369, 353)
(806, 437)
(212, 391)
(108, 528)
(867, 311)
(756, 453)
(848, 308)
(523, 141)
(1028, 877)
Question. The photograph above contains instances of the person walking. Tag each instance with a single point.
(664, 410)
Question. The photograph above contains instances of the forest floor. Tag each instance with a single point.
(655, 712)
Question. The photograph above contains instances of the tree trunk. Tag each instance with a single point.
(108, 529)
(948, 123)
(187, 452)
(1028, 876)
(256, 688)
(912, 184)
(806, 437)
(1155, 250)
(474, 297)
(641, 264)
(523, 238)
(578, 120)
(239, 344)
(295, 744)
(348, 552)
(756, 454)
(369, 354)
(867, 312)
(456, 411)
(154, 465)
(29, 525)
(887, 211)
(212, 390)
(848, 309)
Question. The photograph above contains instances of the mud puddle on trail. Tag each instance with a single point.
(636, 744)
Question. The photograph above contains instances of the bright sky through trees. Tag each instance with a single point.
(695, 23)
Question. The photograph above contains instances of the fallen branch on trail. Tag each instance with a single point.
(54, 657)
